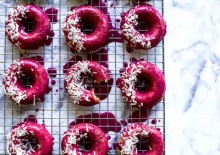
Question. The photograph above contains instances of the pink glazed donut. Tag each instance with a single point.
(12, 81)
(156, 27)
(132, 134)
(15, 31)
(74, 84)
(72, 138)
(23, 132)
(156, 84)
(80, 41)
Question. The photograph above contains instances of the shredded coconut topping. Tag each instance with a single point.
(15, 137)
(73, 137)
(10, 79)
(129, 139)
(129, 31)
(74, 34)
(11, 23)
(129, 79)
(75, 86)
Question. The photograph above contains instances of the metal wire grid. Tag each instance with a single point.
(56, 112)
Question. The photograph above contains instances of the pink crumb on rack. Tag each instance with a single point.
(59, 89)
(53, 82)
(153, 121)
(52, 72)
(118, 20)
(108, 137)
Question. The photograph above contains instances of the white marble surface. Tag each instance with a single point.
(192, 48)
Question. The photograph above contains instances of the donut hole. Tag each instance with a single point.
(87, 81)
(144, 23)
(142, 84)
(26, 80)
(28, 25)
(142, 26)
(85, 145)
(29, 143)
(143, 145)
(86, 25)
(100, 88)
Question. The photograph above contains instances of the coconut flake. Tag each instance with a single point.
(10, 79)
(73, 137)
(129, 79)
(129, 31)
(75, 86)
(74, 34)
(12, 27)
(14, 141)
(129, 139)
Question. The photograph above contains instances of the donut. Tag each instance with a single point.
(132, 134)
(12, 81)
(74, 82)
(152, 94)
(76, 134)
(156, 27)
(72, 29)
(15, 30)
(26, 131)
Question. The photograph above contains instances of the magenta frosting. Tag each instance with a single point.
(143, 40)
(80, 41)
(154, 145)
(77, 92)
(15, 30)
(13, 87)
(97, 138)
(43, 138)
(154, 92)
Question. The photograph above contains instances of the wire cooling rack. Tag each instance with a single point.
(57, 112)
